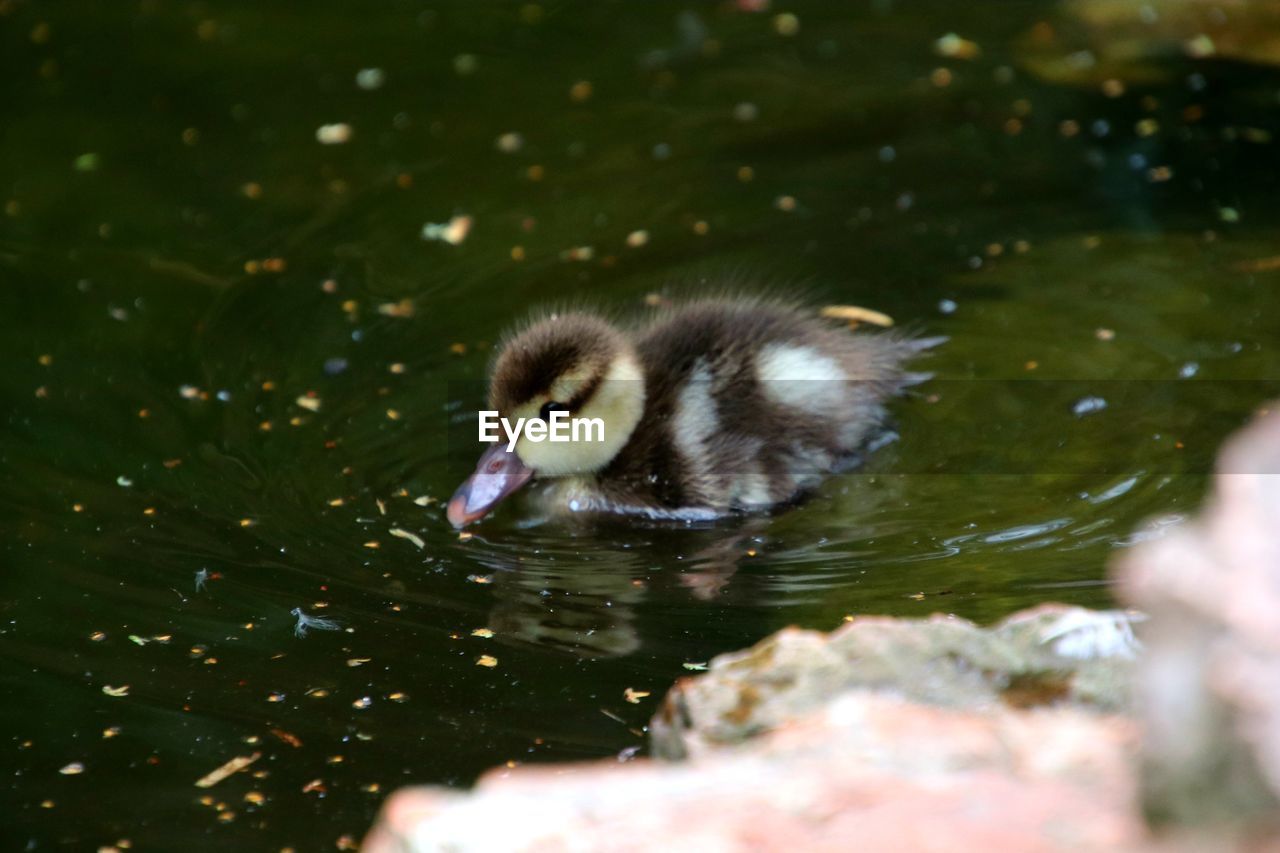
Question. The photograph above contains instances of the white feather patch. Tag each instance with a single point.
(801, 378)
(695, 420)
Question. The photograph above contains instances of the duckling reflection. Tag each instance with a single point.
(587, 613)
(550, 592)
(586, 603)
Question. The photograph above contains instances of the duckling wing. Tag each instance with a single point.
(749, 403)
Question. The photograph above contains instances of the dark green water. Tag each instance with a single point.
(151, 154)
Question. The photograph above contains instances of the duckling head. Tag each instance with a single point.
(573, 363)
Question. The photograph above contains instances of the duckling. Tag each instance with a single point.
(715, 406)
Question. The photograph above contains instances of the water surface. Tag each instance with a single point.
(227, 348)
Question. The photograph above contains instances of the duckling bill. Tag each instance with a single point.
(713, 407)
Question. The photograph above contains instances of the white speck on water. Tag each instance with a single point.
(452, 232)
(887, 154)
(746, 112)
(1188, 370)
(333, 134)
(509, 143)
(947, 306)
(123, 481)
(1088, 406)
(661, 151)
(370, 78)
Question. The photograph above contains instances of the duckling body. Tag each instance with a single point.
(712, 407)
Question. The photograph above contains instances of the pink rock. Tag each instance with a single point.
(1210, 683)
(868, 771)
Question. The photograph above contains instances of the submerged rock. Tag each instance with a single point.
(1048, 655)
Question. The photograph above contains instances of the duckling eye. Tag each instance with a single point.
(548, 408)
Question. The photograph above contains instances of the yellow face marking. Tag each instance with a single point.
(618, 401)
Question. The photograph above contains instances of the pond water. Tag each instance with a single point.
(228, 348)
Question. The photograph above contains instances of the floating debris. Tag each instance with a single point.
(578, 253)
(695, 667)
(288, 737)
(401, 533)
(854, 314)
(333, 134)
(232, 767)
(634, 696)
(123, 481)
(487, 660)
(309, 401)
(75, 768)
(1088, 406)
(370, 78)
(953, 46)
(1200, 47)
(202, 577)
(786, 24)
(452, 232)
(403, 308)
(117, 692)
(320, 623)
(509, 143)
